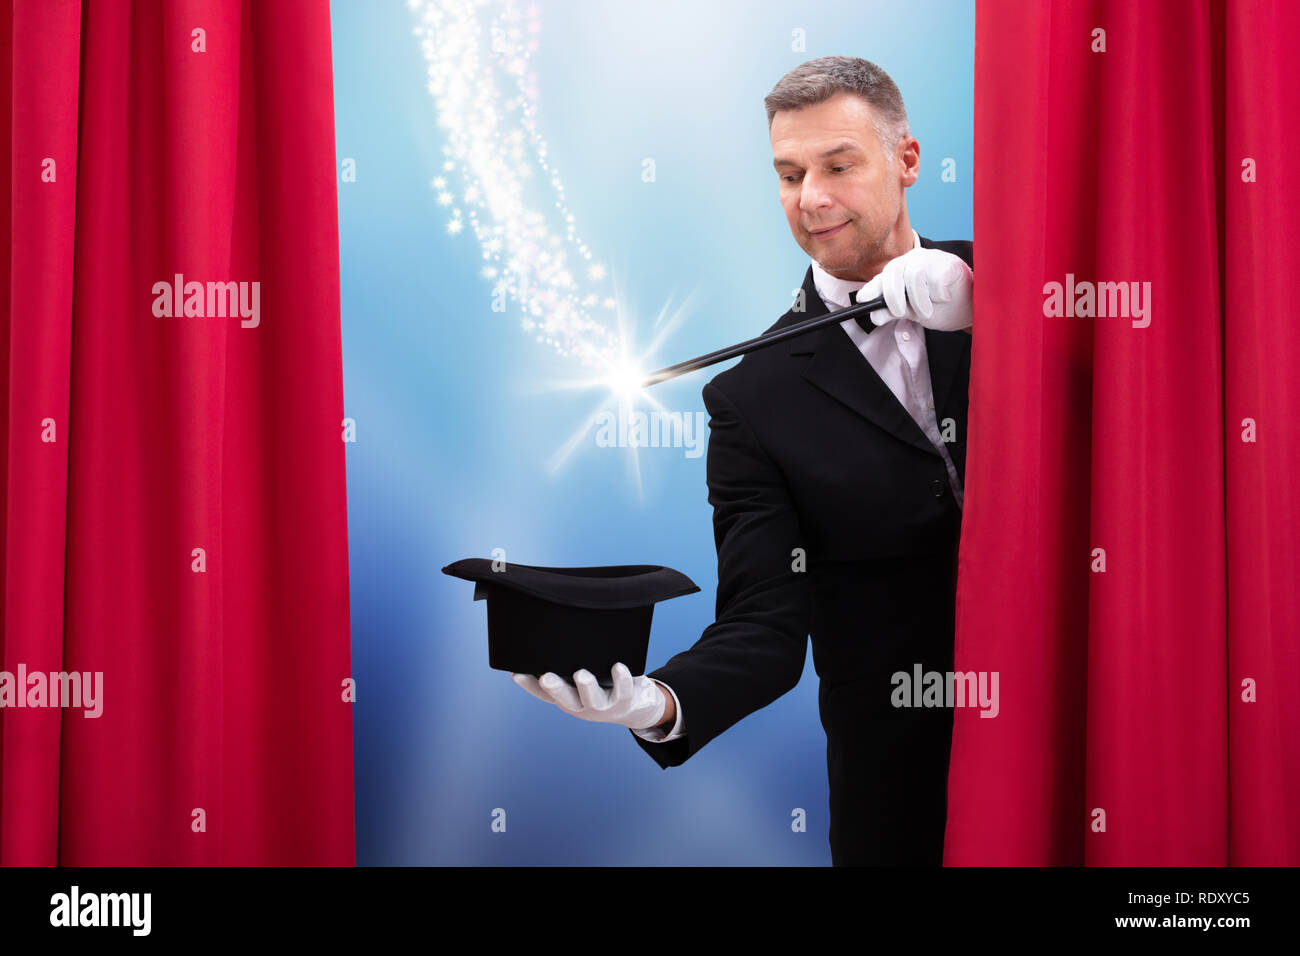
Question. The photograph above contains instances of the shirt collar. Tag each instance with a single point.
(838, 292)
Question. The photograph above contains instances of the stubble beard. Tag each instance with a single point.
(864, 252)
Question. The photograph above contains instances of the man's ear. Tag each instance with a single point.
(909, 155)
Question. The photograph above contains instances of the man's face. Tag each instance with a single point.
(843, 200)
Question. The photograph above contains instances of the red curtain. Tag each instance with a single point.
(173, 485)
(1129, 557)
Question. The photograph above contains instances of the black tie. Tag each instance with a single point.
(864, 321)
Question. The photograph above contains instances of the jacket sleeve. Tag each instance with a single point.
(754, 651)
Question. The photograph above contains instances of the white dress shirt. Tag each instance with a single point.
(896, 350)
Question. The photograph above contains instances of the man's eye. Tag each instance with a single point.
(834, 169)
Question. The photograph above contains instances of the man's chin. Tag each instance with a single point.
(835, 265)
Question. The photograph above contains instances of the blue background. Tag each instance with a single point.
(455, 429)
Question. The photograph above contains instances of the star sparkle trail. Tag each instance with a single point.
(480, 76)
(496, 183)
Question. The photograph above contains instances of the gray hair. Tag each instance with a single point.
(818, 80)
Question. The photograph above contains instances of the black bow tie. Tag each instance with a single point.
(864, 321)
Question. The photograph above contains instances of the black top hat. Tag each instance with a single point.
(565, 619)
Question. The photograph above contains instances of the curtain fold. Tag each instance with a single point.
(1128, 554)
(180, 527)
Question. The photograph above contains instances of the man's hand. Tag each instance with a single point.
(931, 287)
(635, 702)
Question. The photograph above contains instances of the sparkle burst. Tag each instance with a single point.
(498, 183)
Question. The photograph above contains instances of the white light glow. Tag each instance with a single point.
(497, 183)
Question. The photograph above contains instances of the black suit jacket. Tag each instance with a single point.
(811, 454)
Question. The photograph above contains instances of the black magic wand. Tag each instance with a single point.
(862, 310)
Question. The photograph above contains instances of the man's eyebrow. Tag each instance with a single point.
(833, 151)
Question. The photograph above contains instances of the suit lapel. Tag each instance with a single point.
(841, 371)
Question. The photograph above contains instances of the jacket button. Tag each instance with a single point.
(937, 487)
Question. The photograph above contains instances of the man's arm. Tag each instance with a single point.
(754, 651)
(671, 726)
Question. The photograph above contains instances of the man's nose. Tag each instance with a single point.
(813, 194)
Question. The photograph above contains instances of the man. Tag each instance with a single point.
(835, 468)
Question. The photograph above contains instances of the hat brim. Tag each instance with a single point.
(608, 587)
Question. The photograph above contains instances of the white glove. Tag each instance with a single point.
(634, 702)
(931, 287)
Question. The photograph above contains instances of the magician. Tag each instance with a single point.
(835, 468)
